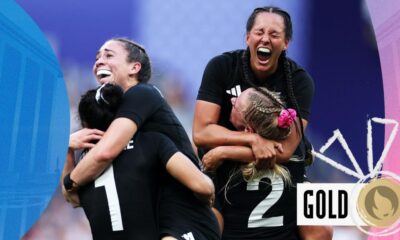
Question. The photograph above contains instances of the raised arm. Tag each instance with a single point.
(103, 153)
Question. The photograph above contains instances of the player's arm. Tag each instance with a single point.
(215, 157)
(69, 164)
(182, 169)
(207, 133)
(220, 219)
(103, 153)
(71, 197)
(80, 139)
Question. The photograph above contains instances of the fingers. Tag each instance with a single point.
(208, 165)
(92, 134)
(97, 132)
(88, 145)
(267, 156)
(92, 137)
(84, 137)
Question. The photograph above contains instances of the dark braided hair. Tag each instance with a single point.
(289, 87)
(284, 64)
(137, 53)
(286, 19)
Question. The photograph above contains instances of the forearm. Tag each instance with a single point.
(69, 163)
(90, 167)
(104, 152)
(215, 157)
(237, 153)
(214, 135)
(207, 133)
(183, 170)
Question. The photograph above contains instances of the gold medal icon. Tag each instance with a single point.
(378, 203)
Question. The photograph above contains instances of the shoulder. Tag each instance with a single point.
(143, 91)
(227, 58)
(143, 88)
(299, 74)
(223, 67)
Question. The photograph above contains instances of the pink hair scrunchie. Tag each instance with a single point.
(286, 117)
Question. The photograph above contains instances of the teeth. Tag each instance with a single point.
(264, 50)
(103, 73)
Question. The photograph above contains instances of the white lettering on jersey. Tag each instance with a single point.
(235, 91)
(129, 145)
(188, 236)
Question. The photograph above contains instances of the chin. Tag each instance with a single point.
(104, 81)
(263, 67)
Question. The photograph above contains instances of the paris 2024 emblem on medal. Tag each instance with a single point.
(378, 203)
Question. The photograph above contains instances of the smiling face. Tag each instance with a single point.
(112, 65)
(266, 41)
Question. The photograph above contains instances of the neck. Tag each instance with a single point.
(129, 84)
(261, 75)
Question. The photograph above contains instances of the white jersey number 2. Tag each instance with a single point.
(107, 181)
(255, 218)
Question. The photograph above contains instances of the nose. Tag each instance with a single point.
(99, 61)
(265, 38)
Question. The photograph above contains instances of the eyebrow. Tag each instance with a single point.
(106, 50)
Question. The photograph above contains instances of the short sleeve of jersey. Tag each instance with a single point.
(303, 87)
(211, 88)
(166, 148)
(139, 103)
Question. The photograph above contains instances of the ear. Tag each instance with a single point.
(249, 129)
(286, 44)
(247, 38)
(135, 68)
(233, 100)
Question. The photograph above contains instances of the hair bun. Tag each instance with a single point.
(109, 94)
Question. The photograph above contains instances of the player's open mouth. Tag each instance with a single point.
(263, 54)
(103, 73)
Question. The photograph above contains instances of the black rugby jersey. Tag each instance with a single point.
(144, 105)
(122, 202)
(223, 79)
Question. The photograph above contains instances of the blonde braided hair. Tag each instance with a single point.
(261, 114)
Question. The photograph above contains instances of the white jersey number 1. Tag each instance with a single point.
(108, 181)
